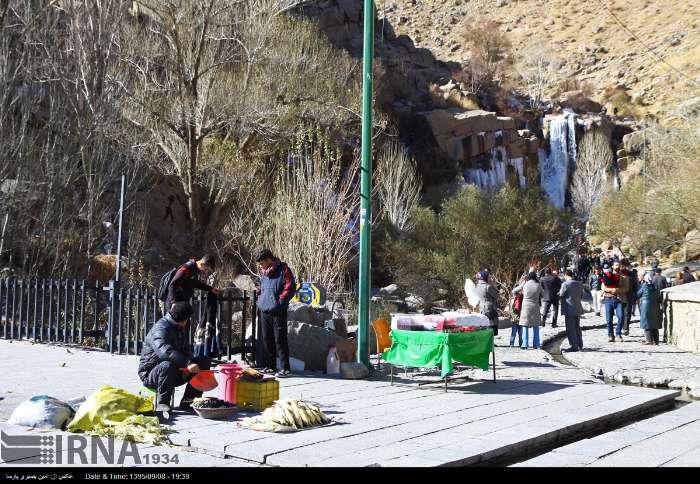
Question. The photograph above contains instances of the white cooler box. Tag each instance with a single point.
(418, 322)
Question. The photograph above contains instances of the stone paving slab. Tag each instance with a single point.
(668, 439)
(632, 362)
(382, 424)
(148, 455)
(517, 430)
(689, 459)
(445, 418)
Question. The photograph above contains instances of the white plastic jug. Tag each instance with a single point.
(332, 362)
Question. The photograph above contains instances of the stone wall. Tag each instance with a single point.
(466, 135)
(682, 316)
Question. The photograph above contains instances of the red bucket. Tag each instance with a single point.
(228, 378)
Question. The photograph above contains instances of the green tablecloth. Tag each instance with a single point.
(430, 349)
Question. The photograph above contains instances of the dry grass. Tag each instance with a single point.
(568, 29)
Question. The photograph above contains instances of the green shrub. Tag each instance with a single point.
(476, 230)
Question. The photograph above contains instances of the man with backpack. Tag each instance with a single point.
(178, 285)
(277, 288)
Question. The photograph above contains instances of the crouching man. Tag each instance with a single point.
(165, 352)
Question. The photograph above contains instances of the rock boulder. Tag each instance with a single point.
(310, 344)
(305, 313)
(634, 143)
(353, 370)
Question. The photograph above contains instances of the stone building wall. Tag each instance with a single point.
(682, 316)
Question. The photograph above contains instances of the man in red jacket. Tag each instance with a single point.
(186, 280)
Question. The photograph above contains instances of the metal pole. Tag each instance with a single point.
(366, 187)
(119, 238)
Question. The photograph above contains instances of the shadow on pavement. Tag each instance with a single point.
(528, 364)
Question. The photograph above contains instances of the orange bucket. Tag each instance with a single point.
(203, 381)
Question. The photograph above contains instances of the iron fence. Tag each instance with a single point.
(115, 318)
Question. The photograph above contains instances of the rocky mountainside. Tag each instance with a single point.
(606, 43)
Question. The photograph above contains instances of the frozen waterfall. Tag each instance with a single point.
(495, 176)
(555, 166)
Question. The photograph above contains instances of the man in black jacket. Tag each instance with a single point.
(165, 352)
(631, 299)
(186, 280)
(660, 282)
(277, 288)
(551, 284)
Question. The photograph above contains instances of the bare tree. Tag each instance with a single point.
(490, 50)
(474, 75)
(311, 220)
(590, 178)
(538, 70)
(199, 71)
(399, 185)
(69, 145)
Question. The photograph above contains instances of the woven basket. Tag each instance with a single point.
(216, 413)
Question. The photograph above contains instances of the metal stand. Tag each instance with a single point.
(466, 378)
(493, 352)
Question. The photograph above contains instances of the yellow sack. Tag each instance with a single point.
(137, 428)
(108, 406)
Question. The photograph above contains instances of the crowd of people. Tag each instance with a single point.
(618, 292)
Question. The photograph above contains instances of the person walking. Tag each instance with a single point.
(488, 299)
(649, 309)
(660, 282)
(632, 286)
(517, 306)
(565, 262)
(594, 282)
(165, 352)
(277, 288)
(679, 280)
(611, 301)
(584, 267)
(551, 284)
(530, 316)
(687, 276)
(571, 293)
(576, 261)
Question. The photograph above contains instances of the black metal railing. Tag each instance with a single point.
(115, 318)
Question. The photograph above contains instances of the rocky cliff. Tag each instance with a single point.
(452, 138)
(651, 48)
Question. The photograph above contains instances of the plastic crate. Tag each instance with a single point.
(257, 395)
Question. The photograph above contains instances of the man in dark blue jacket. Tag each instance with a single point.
(277, 287)
(165, 352)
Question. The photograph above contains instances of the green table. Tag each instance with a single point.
(432, 349)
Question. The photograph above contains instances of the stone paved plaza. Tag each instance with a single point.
(536, 403)
(666, 440)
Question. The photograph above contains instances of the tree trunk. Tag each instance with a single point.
(193, 190)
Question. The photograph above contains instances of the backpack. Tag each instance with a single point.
(491, 313)
(518, 302)
(165, 283)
